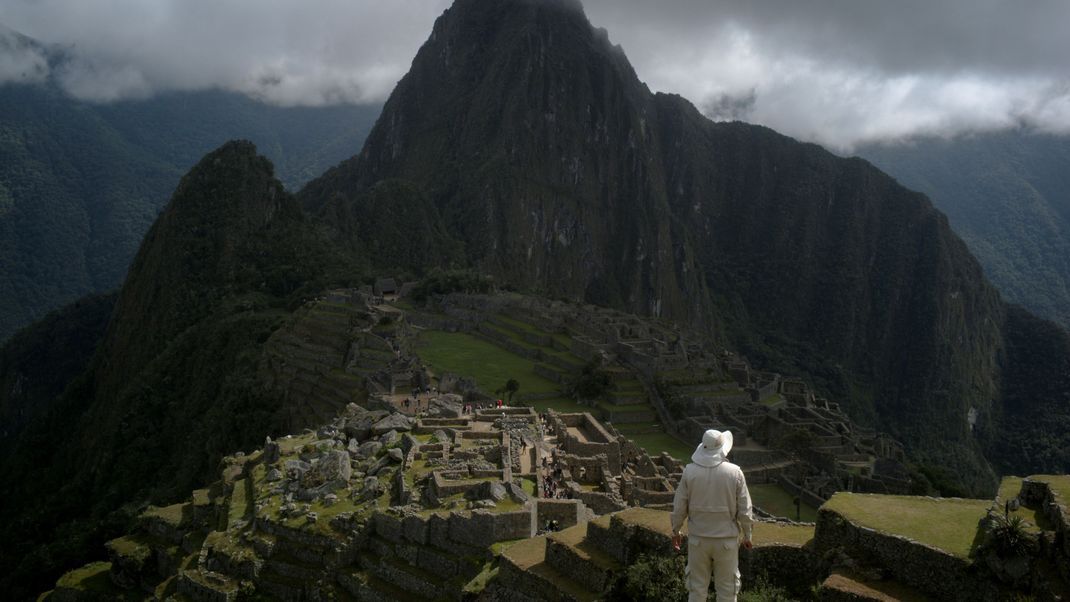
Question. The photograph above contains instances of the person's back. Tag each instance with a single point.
(713, 498)
(712, 495)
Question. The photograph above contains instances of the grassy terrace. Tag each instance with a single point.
(655, 443)
(1009, 488)
(489, 364)
(774, 500)
(949, 524)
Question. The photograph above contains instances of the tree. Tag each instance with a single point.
(511, 387)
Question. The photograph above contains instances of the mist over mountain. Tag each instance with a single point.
(80, 183)
(1008, 196)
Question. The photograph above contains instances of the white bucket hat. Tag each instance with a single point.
(714, 448)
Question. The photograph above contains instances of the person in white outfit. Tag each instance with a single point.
(713, 496)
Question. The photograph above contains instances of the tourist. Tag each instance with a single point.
(713, 496)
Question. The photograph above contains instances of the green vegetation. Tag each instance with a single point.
(773, 499)
(662, 579)
(443, 282)
(467, 355)
(655, 443)
(81, 183)
(592, 383)
(948, 524)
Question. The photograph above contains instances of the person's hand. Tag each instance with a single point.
(748, 544)
(677, 540)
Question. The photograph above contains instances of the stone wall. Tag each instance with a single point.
(917, 565)
(808, 497)
(566, 512)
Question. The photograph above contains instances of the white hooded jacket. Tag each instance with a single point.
(715, 500)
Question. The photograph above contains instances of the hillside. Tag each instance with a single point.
(81, 183)
(174, 381)
(523, 135)
(1008, 195)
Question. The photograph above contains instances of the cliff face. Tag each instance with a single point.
(526, 138)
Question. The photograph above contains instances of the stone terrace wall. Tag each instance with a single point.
(476, 529)
(566, 512)
(928, 569)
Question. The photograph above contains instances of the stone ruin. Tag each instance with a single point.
(378, 505)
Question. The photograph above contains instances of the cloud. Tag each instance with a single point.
(837, 72)
(843, 72)
(288, 52)
(20, 60)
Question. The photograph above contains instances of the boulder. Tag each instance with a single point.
(496, 491)
(442, 436)
(353, 447)
(517, 492)
(393, 422)
(271, 451)
(273, 475)
(395, 454)
(295, 469)
(334, 466)
(389, 438)
(369, 449)
(408, 442)
(360, 427)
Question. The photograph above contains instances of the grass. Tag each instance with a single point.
(771, 400)
(767, 533)
(655, 443)
(559, 404)
(489, 364)
(94, 580)
(774, 500)
(948, 524)
(172, 514)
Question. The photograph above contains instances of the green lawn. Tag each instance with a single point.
(562, 405)
(655, 443)
(948, 524)
(490, 365)
(773, 499)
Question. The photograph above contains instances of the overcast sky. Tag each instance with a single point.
(837, 72)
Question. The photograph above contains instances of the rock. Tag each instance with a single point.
(311, 517)
(271, 451)
(273, 475)
(389, 438)
(324, 445)
(369, 449)
(371, 488)
(408, 442)
(496, 491)
(330, 499)
(326, 432)
(484, 504)
(353, 447)
(295, 469)
(395, 454)
(517, 492)
(360, 427)
(334, 466)
(442, 436)
(378, 465)
(393, 422)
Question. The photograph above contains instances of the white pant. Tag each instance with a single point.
(723, 552)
